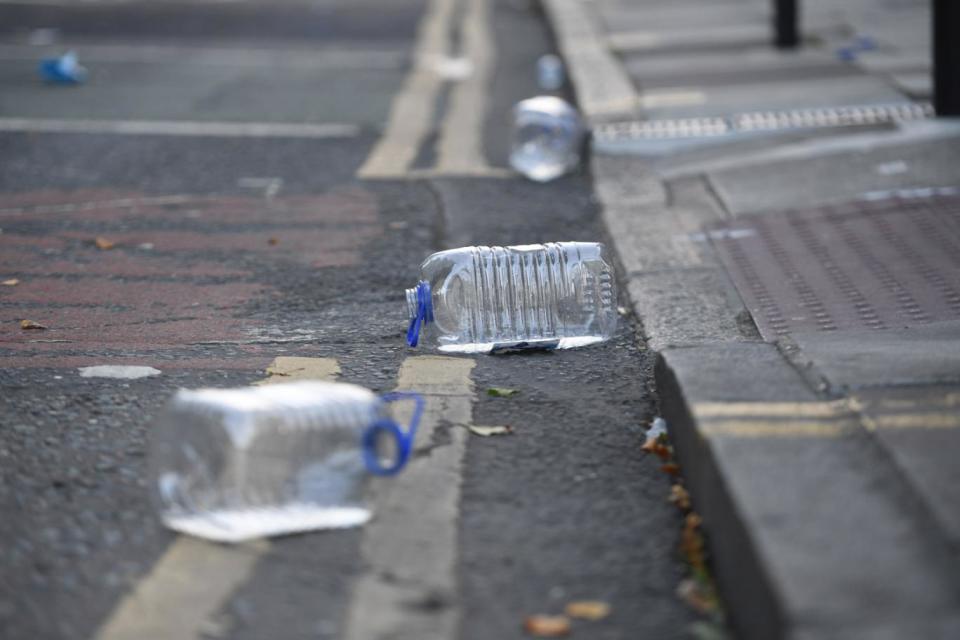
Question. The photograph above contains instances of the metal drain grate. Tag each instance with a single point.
(881, 263)
(760, 121)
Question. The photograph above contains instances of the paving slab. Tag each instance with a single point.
(925, 354)
(834, 177)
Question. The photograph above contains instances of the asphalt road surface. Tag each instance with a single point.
(271, 174)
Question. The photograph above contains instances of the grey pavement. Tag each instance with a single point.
(800, 287)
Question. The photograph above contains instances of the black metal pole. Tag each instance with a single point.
(785, 23)
(946, 58)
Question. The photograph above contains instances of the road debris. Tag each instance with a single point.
(12, 282)
(680, 497)
(486, 432)
(547, 626)
(104, 244)
(501, 392)
(587, 609)
(63, 70)
(121, 372)
(32, 325)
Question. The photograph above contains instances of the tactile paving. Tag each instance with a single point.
(890, 262)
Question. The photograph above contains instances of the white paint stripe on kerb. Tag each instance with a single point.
(460, 148)
(410, 547)
(412, 109)
(181, 128)
(194, 578)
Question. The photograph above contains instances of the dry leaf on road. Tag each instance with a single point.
(547, 626)
(12, 282)
(588, 609)
(103, 244)
(31, 325)
(680, 496)
(491, 431)
(273, 242)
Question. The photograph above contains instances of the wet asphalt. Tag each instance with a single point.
(566, 508)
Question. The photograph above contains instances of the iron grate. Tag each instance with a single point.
(874, 263)
(760, 121)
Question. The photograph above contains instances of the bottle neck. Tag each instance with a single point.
(412, 303)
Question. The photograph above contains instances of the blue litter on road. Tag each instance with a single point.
(63, 70)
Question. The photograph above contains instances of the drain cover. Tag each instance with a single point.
(877, 263)
(760, 121)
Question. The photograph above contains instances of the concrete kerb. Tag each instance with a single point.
(695, 319)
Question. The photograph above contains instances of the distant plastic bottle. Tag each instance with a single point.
(235, 464)
(546, 139)
(550, 72)
(489, 299)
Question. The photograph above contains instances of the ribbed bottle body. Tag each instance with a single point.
(555, 295)
(233, 464)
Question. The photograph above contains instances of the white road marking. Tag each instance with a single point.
(123, 372)
(308, 59)
(194, 578)
(460, 148)
(182, 128)
(412, 109)
(410, 547)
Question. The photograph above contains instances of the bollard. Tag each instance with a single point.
(785, 22)
(946, 58)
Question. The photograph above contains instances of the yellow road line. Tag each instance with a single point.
(412, 108)
(777, 428)
(410, 547)
(827, 409)
(194, 578)
(460, 148)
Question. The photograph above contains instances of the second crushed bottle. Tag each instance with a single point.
(488, 299)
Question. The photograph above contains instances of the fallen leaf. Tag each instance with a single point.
(547, 626)
(501, 392)
(587, 609)
(697, 596)
(273, 242)
(103, 244)
(12, 282)
(692, 545)
(662, 451)
(491, 431)
(680, 496)
(671, 467)
(31, 325)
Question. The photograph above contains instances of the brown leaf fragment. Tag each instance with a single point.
(501, 430)
(671, 468)
(547, 626)
(649, 445)
(664, 452)
(692, 545)
(12, 282)
(273, 242)
(696, 596)
(680, 497)
(103, 243)
(31, 325)
(587, 609)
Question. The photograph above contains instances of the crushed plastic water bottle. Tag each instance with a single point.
(236, 464)
(550, 72)
(494, 299)
(547, 138)
(63, 69)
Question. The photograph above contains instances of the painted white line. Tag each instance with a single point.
(190, 583)
(182, 128)
(410, 548)
(460, 147)
(335, 59)
(412, 109)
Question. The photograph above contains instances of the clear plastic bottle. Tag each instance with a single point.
(546, 139)
(550, 72)
(235, 464)
(488, 299)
